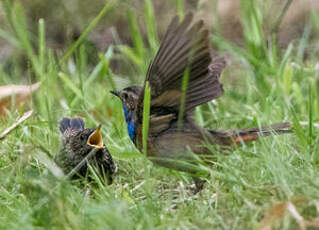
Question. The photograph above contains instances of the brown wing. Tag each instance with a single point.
(186, 46)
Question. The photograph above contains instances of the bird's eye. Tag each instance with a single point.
(125, 96)
(82, 137)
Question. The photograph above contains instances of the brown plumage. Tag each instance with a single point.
(184, 51)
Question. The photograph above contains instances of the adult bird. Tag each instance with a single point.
(174, 138)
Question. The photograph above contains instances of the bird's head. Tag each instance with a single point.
(87, 139)
(129, 97)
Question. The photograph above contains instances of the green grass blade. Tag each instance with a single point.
(41, 44)
(108, 6)
(150, 24)
(132, 54)
(7, 8)
(146, 115)
(281, 16)
(70, 84)
(139, 49)
(10, 38)
(183, 99)
(104, 63)
(310, 116)
(180, 9)
(20, 26)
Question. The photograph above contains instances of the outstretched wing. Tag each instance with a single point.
(185, 47)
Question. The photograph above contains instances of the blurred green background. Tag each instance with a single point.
(80, 50)
(66, 21)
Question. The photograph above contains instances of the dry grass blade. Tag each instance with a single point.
(306, 123)
(19, 92)
(293, 211)
(277, 213)
(25, 116)
(303, 224)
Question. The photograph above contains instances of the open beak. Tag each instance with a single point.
(95, 139)
(116, 93)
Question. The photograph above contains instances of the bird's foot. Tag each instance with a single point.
(198, 185)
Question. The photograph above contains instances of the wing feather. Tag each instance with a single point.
(185, 46)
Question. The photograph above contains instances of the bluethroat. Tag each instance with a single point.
(185, 49)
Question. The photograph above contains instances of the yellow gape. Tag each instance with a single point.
(95, 139)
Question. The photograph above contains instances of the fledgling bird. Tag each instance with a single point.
(184, 50)
(77, 143)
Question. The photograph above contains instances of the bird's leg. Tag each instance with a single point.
(199, 184)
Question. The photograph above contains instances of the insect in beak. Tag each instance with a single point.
(95, 139)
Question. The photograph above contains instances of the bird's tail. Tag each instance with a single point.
(71, 123)
(239, 136)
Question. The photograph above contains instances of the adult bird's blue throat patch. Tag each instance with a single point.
(130, 123)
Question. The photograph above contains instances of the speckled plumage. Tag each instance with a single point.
(75, 149)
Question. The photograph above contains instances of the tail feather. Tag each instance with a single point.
(71, 123)
(245, 135)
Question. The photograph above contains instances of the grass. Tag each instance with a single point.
(263, 84)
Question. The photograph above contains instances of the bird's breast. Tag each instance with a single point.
(131, 130)
(139, 141)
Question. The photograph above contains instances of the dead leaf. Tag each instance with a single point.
(20, 93)
(15, 125)
(275, 213)
(278, 211)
